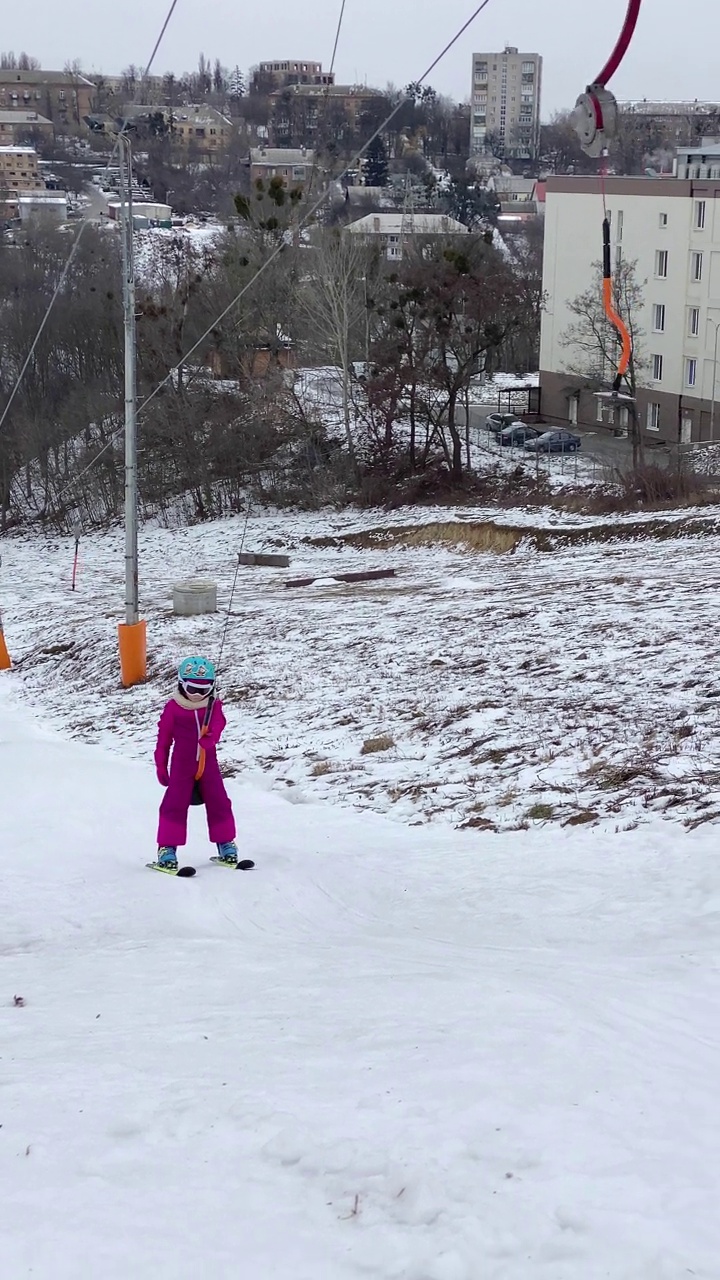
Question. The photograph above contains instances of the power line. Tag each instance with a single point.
(276, 252)
(76, 243)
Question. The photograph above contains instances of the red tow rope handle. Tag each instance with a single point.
(615, 320)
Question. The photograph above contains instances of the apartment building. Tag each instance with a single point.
(62, 96)
(19, 171)
(15, 125)
(505, 98)
(669, 227)
(293, 165)
(297, 72)
(203, 127)
(353, 99)
(390, 230)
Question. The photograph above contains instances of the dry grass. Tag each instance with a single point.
(383, 742)
(320, 769)
(540, 812)
(579, 819)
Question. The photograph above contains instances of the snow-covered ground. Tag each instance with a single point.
(503, 688)
(388, 1053)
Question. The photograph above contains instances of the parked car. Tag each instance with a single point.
(496, 421)
(517, 433)
(554, 442)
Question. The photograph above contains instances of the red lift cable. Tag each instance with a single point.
(623, 43)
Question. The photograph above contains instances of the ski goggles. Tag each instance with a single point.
(198, 688)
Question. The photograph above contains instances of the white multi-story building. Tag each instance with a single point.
(505, 98)
(669, 227)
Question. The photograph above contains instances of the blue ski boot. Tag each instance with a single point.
(228, 854)
(167, 857)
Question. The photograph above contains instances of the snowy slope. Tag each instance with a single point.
(575, 684)
(404, 1054)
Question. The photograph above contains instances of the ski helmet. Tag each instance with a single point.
(197, 671)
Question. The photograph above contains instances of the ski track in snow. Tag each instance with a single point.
(392, 1053)
(578, 681)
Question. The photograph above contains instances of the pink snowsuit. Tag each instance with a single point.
(181, 726)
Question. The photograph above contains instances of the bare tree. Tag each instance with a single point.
(333, 301)
(593, 342)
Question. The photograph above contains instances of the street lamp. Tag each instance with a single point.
(716, 325)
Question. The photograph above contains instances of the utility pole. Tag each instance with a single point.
(132, 635)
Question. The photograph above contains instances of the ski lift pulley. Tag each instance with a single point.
(596, 111)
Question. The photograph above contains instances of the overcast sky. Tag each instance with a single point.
(384, 40)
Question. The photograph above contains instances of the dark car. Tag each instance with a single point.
(554, 442)
(518, 433)
(495, 422)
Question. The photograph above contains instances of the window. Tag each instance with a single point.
(696, 266)
(693, 322)
(620, 220)
(661, 264)
(659, 317)
(618, 257)
(663, 220)
(652, 421)
(690, 372)
(298, 172)
(657, 367)
(528, 68)
(699, 215)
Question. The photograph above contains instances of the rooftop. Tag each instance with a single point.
(14, 76)
(281, 155)
(43, 197)
(22, 117)
(428, 224)
(712, 149)
(17, 151)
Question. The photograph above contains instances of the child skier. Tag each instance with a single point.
(191, 724)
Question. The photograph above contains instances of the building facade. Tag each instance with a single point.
(300, 108)
(19, 171)
(294, 166)
(202, 127)
(392, 230)
(297, 72)
(15, 125)
(505, 102)
(670, 229)
(61, 96)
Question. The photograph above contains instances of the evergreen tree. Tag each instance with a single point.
(376, 164)
(236, 87)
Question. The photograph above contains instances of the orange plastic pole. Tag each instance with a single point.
(132, 638)
(5, 663)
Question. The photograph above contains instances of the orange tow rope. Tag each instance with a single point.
(616, 321)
